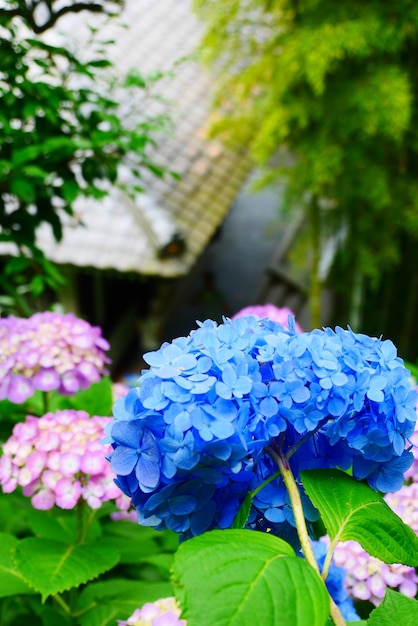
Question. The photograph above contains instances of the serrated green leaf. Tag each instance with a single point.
(63, 528)
(395, 609)
(52, 567)
(12, 509)
(246, 578)
(352, 510)
(11, 580)
(102, 603)
(133, 545)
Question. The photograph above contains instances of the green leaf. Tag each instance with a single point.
(241, 517)
(352, 510)
(96, 400)
(52, 566)
(37, 285)
(102, 603)
(11, 580)
(246, 578)
(64, 528)
(70, 190)
(25, 154)
(15, 265)
(133, 544)
(395, 609)
(99, 63)
(50, 615)
(23, 189)
(13, 507)
(34, 172)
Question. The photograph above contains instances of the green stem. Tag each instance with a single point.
(264, 484)
(302, 531)
(328, 558)
(46, 401)
(62, 603)
(81, 531)
(85, 517)
(297, 508)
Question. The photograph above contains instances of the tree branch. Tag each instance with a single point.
(26, 11)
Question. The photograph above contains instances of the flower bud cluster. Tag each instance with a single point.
(49, 351)
(200, 429)
(164, 612)
(58, 459)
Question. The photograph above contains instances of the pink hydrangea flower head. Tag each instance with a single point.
(274, 313)
(164, 612)
(49, 351)
(59, 459)
(368, 578)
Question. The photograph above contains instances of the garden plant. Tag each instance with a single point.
(256, 458)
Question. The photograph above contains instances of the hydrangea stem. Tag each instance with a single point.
(46, 401)
(302, 531)
(59, 600)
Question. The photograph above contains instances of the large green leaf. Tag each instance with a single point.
(102, 603)
(395, 609)
(352, 510)
(52, 567)
(60, 527)
(11, 580)
(246, 578)
(133, 542)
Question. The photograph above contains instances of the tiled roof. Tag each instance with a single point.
(127, 235)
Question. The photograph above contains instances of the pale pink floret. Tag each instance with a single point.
(69, 463)
(44, 499)
(164, 612)
(58, 459)
(67, 493)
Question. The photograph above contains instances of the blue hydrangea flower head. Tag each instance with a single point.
(193, 438)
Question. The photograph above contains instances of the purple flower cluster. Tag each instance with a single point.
(274, 313)
(49, 351)
(58, 459)
(194, 437)
(368, 578)
(164, 612)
